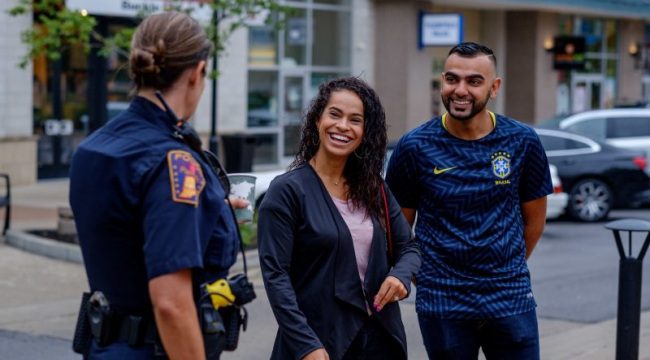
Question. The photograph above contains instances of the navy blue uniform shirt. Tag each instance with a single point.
(146, 205)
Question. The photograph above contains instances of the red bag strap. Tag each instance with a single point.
(389, 236)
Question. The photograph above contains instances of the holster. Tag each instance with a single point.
(234, 318)
(82, 334)
(213, 330)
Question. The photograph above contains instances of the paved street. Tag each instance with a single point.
(574, 271)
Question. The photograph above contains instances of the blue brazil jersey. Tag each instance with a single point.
(469, 226)
(145, 205)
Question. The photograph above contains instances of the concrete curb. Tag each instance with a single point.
(41, 246)
(72, 253)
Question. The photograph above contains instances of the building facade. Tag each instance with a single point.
(17, 142)
(268, 75)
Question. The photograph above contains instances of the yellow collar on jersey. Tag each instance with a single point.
(492, 116)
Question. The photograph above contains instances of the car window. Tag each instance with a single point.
(619, 127)
(594, 128)
(551, 143)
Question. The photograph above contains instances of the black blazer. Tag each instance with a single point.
(310, 272)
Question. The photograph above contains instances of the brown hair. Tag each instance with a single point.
(163, 46)
(363, 168)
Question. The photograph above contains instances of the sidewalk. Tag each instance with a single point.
(40, 296)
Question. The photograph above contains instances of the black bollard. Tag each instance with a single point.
(629, 287)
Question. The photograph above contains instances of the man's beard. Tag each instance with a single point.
(477, 107)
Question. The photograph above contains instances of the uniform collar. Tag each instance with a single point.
(150, 112)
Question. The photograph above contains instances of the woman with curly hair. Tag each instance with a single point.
(332, 271)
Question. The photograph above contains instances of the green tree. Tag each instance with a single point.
(56, 27)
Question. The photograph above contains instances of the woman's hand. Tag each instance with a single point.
(391, 290)
(318, 354)
(238, 203)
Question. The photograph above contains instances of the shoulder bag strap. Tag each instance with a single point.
(389, 236)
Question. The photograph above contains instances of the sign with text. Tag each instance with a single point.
(134, 8)
(569, 52)
(440, 29)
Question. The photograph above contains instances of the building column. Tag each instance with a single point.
(17, 143)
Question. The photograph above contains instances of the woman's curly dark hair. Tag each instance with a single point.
(363, 168)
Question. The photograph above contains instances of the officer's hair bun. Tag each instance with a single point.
(163, 46)
(146, 64)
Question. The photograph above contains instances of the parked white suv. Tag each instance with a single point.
(627, 128)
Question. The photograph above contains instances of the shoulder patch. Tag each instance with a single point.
(186, 177)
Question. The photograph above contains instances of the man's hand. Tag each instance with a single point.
(391, 290)
(318, 354)
(534, 215)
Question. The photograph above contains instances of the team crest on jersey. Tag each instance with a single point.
(186, 177)
(501, 164)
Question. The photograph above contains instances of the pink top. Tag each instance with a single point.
(361, 230)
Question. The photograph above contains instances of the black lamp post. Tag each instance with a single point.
(214, 140)
(629, 286)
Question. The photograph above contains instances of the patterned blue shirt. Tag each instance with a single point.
(468, 197)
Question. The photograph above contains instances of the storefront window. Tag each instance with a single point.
(314, 46)
(262, 99)
(332, 37)
(592, 30)
(594, 87)
(610, 36)
(319, 78)
(293, 106)
(295, 39)
(334, 2)
(262, 46)
(592, 65)
(265, 149)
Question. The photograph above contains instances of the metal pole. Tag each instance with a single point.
(57, 112)
(629, 287)
(629, 309)
(214, 140)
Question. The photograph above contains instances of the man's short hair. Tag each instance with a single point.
(472, 49)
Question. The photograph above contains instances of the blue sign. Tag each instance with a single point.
(440, 29)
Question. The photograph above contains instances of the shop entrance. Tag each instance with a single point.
(646, 89)
(587, 92)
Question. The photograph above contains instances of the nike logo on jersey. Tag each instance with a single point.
(437, 171)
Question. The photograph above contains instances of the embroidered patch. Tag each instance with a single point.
(501, 164)
(186, 177)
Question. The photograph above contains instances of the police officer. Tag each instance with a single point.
(150, 211)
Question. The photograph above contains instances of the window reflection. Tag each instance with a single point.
(295, 39)
(265, 149)
(319, 78)
(262, 99)
(331, 38)
(333, 2)
(262, 42)
(293, 106)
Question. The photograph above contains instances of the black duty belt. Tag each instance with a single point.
(135, 330)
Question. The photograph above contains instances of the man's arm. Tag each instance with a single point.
(176, 316)
(534, 215)
(409, 214)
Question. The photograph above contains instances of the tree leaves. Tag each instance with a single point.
(57, 28)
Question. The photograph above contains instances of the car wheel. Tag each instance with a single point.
(590, 200)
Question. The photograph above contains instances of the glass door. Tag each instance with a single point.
(646, 89)
(587, 92)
